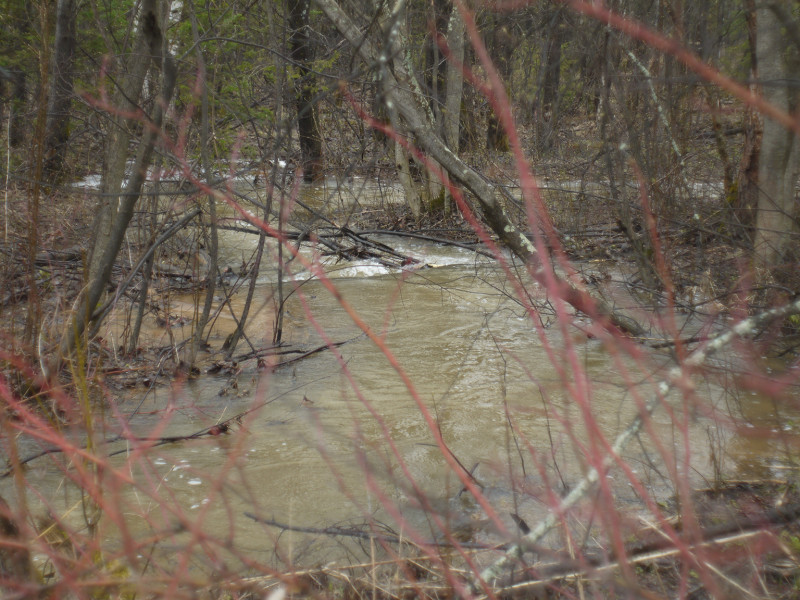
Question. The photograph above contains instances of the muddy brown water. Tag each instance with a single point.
(338, 438)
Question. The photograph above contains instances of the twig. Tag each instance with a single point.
(100, 313)
(314, 351)
(548, 576)
(363, 535)
(212, 430)
(744, 328)
(733, 531)
(279, 350)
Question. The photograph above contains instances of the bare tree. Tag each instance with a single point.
(117, 202)
(395, 26)
(212, 237)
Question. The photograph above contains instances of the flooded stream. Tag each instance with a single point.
(338, 438)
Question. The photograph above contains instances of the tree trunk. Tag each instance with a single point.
(778, 68)
(455, 87)
(302, 55)
(211, 235)
(435, 65)
(395, 60)
(126, 100)
(551, 61)
(745, 200)
(115, 211)
(147, 275)
(547, 109)
(233, 339)
(404, 175)
(33, 315)
(500, 43)
(16, 107)
(60, 100)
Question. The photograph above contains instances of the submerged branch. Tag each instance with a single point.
(473, 247)
(275, 351)
(361, 534)
(219, 428)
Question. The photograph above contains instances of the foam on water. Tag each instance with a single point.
(365, 269)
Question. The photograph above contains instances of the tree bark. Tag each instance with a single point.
(454, 86)
(61, 77)
(778, 68)
(547, 109)
(500, 43)
(745, 186)
(302, 55)
(404, 175)
(395, 60)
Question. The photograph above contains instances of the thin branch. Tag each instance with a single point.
(100, 313)
(676, 375)
(361, 534)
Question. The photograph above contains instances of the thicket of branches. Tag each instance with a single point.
(667, 129)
